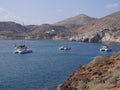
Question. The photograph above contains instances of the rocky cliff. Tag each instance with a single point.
(106, 29)
(103, 73)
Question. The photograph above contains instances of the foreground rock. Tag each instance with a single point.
(103, 73)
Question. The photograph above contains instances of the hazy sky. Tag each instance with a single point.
(51, 11)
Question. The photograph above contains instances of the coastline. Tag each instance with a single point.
(58, 87)
(100, 74)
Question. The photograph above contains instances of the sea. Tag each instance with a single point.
(47, 66)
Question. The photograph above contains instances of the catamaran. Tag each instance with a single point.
(22, 49)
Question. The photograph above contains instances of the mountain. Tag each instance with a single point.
(11, 30)
(100, 74)
(12, 26)
(81, 28)
(61, 29)
(76, 21)
(31, 27)
(106, 29)
(48, 31)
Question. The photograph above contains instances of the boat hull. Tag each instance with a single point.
(24, 52)
(105, 50)
(64, 48)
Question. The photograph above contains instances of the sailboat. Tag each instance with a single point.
(22, 48)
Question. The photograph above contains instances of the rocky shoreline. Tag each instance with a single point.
(105, 35)
(103, 73)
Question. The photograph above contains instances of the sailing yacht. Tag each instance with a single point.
(22, 49)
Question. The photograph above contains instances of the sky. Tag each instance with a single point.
(39, 12)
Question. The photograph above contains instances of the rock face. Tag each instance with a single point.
(103, 73)
(106, 29)
(103, 36)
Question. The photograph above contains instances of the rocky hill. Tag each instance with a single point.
(12, 30)
(60, 30)
(106, 29)
(76, 21)
(103, 73)
(12, 27)
(47, 31)
(31, 27)
(81, 28)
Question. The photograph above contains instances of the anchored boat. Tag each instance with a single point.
(64, 48)
(22, 49)
(105, 48)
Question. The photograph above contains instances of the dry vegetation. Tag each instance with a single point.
(103, 73)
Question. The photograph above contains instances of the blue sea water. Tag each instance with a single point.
(47, 66)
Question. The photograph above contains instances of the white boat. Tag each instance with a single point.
(105, 48)
(22, 49)
(64, 48)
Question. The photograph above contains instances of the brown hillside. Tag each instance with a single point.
(103, 73)
(109, 22)
(106, 29)
(76, 21)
